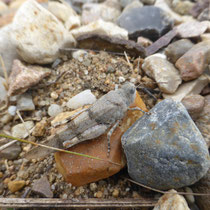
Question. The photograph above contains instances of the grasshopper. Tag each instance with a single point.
(105, 113)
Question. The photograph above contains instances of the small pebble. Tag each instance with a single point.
(98, 194)
(79, 191)
(116, 193)
(16, 185)
(12, 110)
(93, 187)
(54, 95)
(54, 109)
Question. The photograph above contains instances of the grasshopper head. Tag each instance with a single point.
(129, 91)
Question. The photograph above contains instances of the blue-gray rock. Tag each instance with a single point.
(165, 149)
(148, 21)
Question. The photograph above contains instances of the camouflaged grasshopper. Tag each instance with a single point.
(105, 113)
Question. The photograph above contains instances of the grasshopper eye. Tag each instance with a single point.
(132, 91)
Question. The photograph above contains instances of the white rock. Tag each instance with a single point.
(101, 27)
(21, 130)
(3, 91)
(171, 201)
(38, 34)
(65, 13)
(25, 103)
(12, 110)
(189, 88)
(163, 72)
(133, 4)
(81, 99)
(54, 109)
(108, 11)
(7, 49)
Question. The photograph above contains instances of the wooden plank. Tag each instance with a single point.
(75, 203)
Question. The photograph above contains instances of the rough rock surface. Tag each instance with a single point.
(163, 72)
(165, 149)
(11, 152)
(171, 201)
(148, 21)
(193, 63)
(37, 34)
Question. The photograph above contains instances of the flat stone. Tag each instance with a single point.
(107, 11)
(171, 201)
(194, 105)
(22, 130)
(164, 149)
(83, 98)
(16, 185)
(42, 187)
(111, 44)
(24, 76)
(7, 46)
(25, 103)
(203, 186)
(191, 29)
(79, 170)
(183, 7)
(189, 88)
(163, 72)
(203, 122)
(101, 27)
(177, 49)
(12, 152)
(29, 28)
(148, 21)
(193, 63)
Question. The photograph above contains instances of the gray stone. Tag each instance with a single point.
(133, 4)
(148, 21)
(177, 49)
(54, 109)
(165, 149)
(11, 152)
(42, 187)
(25, 103)
(3, 91)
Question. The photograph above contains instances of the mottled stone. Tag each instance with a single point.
(42, 187)
(165, 149)
(194, 105)
(82, 170)
(191, 29)
(3, 91)
(111, 44)
(38, 34)
(171, 201)
(203, 122)
(22, 130)
(101, 27)
(203, 186)
(193, 63)
(54, 109)
(11, 152)
(23, 77)
(183, 7)
(189, 88)
(163, 72)
(144, 41)
(148, 21)
(177, 49)
(16, 185)
(108, 11)
(204, 15)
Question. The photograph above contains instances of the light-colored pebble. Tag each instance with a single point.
(25, 103)
(54, 109)
(22, 130)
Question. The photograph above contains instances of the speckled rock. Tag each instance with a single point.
(194, 105)
(163, 72)
(81, 170)
(11, 152)
(20, 131)
(203, 122)
(189, 88)
(25, 103)
(22, 77)
(177, 49)
(171, 201)
(193, 63)
(183, 7)
(148, 21)
(165, 149)
(29, 28)
(42, 187)
(3, 91)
